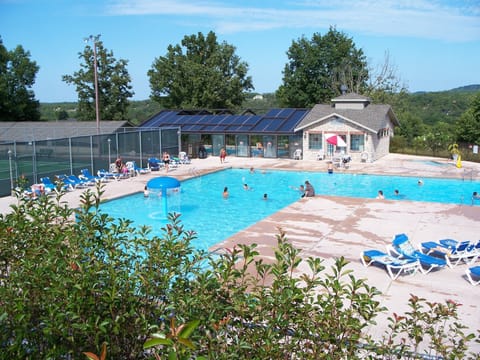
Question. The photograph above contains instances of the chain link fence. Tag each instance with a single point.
(26, 162)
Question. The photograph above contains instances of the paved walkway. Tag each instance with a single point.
(329, 227)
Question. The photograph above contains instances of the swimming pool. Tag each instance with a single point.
(214, 218)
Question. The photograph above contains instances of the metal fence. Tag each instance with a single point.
(30, 161)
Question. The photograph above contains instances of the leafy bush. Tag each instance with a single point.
(72, 280)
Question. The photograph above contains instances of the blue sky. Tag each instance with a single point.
(434, 45)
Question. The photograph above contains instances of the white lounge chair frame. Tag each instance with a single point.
(470, 277)
(394, 266)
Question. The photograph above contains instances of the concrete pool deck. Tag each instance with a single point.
(330, 227)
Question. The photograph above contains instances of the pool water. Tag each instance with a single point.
(213, 218)
(436, 163)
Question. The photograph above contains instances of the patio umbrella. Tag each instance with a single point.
(335, 140)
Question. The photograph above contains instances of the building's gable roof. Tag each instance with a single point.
(25, 131)
(334, 115)
(373, 117)
(275, 121)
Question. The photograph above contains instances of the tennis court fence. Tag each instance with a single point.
(28, 161)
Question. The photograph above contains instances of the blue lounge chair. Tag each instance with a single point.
(53, 187)
(87, 175)
(394, 266)
(66, 181)
(36, 190)
(48, 183)
(473, 275)
(105, 175)
(475, 246)
(452, 251)
(154, 164)
(401, 246)
(75, 181)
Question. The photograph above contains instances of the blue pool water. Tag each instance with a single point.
(214, 218)
(436, 163)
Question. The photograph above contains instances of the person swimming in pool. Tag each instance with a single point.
(300, 189)
(246, 187)
(475, 197)
(225, 192)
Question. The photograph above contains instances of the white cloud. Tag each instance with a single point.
(428, 19)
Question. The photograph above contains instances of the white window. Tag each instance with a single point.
(357, 142)
(314, 141)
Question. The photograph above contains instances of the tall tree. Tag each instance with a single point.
(467, 127)
(200, 73)
(438, 136)
(318, 67)
(384, 86)
(17, 76)
(114, 87)
(411, 126)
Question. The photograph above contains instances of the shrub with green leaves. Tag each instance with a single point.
(72, 280)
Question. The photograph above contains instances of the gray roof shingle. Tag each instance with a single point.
(11, 131)
(372, 117)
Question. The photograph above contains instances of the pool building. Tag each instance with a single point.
(349, 126)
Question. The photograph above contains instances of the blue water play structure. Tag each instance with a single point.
(163, 186)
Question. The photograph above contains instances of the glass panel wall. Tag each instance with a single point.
(296, 142)
(270, 147)
(230, 145)
(242, 146)
(256, 145)
(283, 146)
(206, 141)
(218, 142)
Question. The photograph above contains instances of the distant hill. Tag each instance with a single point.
(445, 106)
(431, 107)
(468, 88)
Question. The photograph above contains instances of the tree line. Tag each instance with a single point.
(203, 73)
